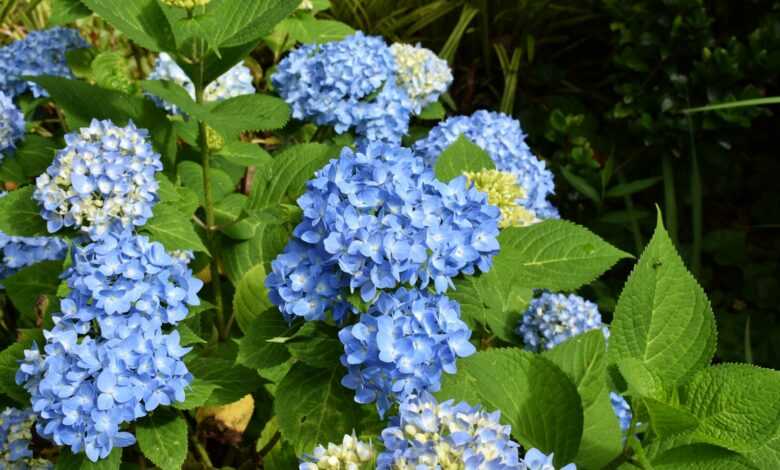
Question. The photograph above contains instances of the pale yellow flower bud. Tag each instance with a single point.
(503, 192)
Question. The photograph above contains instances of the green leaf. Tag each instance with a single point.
(534, 396)
(196, 395)
(316, 344)
(668, 420)
(313, 407)
(240, 257)
(626, 189)
(20, 214)
(641, 379)
(66, 11)
(251, 298)
(9, 365)
(487, 301)
(110, 70)
(174, 229)
(292, 168)
(584, 360)
(232, 23)
(189, 337)
(191, 175)
(554, 254)
(309, 30)
(701, 457)
(143, 21)
(663, 317)
(433, 112)
(25, 286)
(244, 154)
(461, 156)
(31, 158)
(736, 405)
(255, 351)
(68, 461)
(173, 93)
(254, 112)
(162, 437)
(231, 381)
(581, 185)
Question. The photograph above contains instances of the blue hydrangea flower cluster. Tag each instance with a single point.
(107, 360)
(553, 318)
(361, 83)
(535, 459)
(427, 434)
(502, 138)
(104, 177)
(622, 410)
(351, 454)
(381, 218)
(235, 82)
(20, 252)
(401, 346)
(11, 125)
(40, 53)
(15, 436)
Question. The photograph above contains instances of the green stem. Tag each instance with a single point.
(202, 453)
(211, 235)
(696, 203)
(670, 200)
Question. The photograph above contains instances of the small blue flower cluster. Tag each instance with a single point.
(401, 346)
(361, 83)
(622, 410)
(502, 138)
(15, 436)
(553, 318)
(535, 459)
(235, 82)
(382, 218)
(107, 360)
(40, 53)
(427, 434)
(11, 125)
(104, 177)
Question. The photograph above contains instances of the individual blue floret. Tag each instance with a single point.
(11, 125)
(107, 361)
(622, 410)
(503, 139)
(553, 318)
(20, 252)
(401, 346)
(40, 53)
(235, 82)
(103, 178)
(427, 434)
(15, 441)
(535, 459)
(381, 218)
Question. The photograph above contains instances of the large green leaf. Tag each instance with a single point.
(162, 437)
(554, 254)
(143, 21)
(313, 407)
(701, 457)
(254, 112)
(31, 158)
(173, 228)
(307, 29)
(461, 156)
(233, 23)
(663, 317)
(27, 285)
(584, 360)
(65, 11)
(287, 177)
(196, 395)
(191, 175)
(20, 215)
(68, 461)
(534, 396)
(231, 381)
(256, 351)
(251, 299)
(240, 257)
(316, 344)
(487, 301)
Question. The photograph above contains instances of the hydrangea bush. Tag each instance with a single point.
(294, 267)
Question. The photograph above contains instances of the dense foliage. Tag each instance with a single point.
(243, 234)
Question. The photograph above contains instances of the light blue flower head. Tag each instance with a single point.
(401, 346)
(11, 125)
(537, 460)
(235, 82)
(503, 139)
(15, 440)
(427, 434)
(553, 318)
(107, 361)
(103, 178)
(347, 84)
(40, 53)
(379, 219)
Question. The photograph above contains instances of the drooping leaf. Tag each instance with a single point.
(312, 406)
(663, 317)
(534, 396)
(461, 156)
(554, 254)
(162, 437)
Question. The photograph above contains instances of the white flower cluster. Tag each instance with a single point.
(421, 73)
(352, 454)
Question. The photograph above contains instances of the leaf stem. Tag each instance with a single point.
(211, 236)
